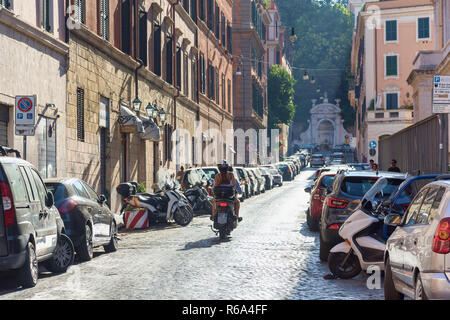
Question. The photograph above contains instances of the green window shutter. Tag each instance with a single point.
(391, 65)
(104, 19)
(391, 101)
(424, 28)
(391, 30)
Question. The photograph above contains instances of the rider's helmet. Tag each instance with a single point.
(223, 166)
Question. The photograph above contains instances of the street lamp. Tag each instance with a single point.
(137, 104)
(305, 75)
(162, 115)
(155, 111)
(149, 110)
(292, 37)
(313, 80)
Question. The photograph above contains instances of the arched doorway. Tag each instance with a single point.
(325, 135)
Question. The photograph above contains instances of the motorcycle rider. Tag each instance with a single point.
(224, 177)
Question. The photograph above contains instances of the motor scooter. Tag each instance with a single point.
(225, 220)
(166, 205)
(364, 243)
(199, 199)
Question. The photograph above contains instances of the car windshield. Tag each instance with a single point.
(274, 172)
(58, 189)
(327, 182)
(211, 173)
(193, 178)
(357, 186)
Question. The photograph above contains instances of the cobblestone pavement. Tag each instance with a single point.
(271, 255)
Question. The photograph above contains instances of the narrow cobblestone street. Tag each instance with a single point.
(271, 255)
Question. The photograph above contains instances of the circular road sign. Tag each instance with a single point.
(372, 144)
(372, 152)
(25, 104)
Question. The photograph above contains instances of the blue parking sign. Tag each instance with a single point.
(372, 144)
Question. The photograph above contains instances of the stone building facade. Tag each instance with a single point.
(34, 62)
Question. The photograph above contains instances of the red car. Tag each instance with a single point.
(314, 212)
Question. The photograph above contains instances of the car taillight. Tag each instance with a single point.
(334, 227)
(441, 241)
(405, 206)
(317, 173)
(8, 204)
(223, 204)
(336, 203)
(67, 206)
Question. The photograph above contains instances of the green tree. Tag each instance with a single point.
(324, 30)
(281, 96)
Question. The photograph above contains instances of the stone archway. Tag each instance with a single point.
(325, 135)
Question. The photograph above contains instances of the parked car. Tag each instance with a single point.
(314, 212)
(344, 196)
(317, 160)
(241, 184)
(31, 230)
(254, 188)
(211, 172)
(261, 182)
(360, 166)
(268, 178)
(277, 177)
(285, 170)
(87, 218)
(244, 180)
(417, 257)
(338, 157)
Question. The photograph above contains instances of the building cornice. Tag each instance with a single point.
(8, 18)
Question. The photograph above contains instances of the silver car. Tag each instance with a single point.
(417, 257)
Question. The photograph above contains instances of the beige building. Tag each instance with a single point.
(35, 62)
(387, 36)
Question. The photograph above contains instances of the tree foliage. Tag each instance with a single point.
(281, 96)
(323, 48)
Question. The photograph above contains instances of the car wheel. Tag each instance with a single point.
(350, 269)
(86, 249)
(313, 224)
(419, 292)
(62, 257)
(28, 274)
(390, 293)
(324, 249)
(113, 243)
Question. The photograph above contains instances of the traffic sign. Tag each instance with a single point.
(372, 152)
(373, 144)
(441, 94)
(25, 115)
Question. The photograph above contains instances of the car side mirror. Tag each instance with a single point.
(323, 192)
(102, 199)
(393, 219)
(308, 190)
(49, 200)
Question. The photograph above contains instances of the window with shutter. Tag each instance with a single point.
(46, 15)
(157, 50)
(178, 71)
(104, 19)
(186, 5)
(216, 91)
(211, 15)
(6, 4)
(217, 23)
(391, 30)
(80, 114)
(143, 37)
(126, 26)
(80, 13)
(186, 76)
(230, 38)
(202, 74)
(223, 26)
(194, 78)
(168, 62)
(391, 101)
(223, 91)
(194, 10)
(229, 96)
(202, 10)
(424, 28)
(391, 66)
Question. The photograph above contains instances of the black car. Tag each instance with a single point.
(87, 219)
(31, 230)
(344, 196)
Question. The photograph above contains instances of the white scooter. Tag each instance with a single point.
(364, 245)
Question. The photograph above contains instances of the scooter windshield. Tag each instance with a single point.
(377, 188)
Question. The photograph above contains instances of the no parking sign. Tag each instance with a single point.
(25, 118)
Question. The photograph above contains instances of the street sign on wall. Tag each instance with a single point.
(441, 94)
(25, 115)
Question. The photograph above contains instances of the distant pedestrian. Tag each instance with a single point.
(180, 176)
(371, 162)
(375, 167)
(394, 167)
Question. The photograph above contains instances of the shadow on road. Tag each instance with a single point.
(204, 243)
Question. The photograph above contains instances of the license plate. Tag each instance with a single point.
(222, 218)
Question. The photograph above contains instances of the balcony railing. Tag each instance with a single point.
(390, 115)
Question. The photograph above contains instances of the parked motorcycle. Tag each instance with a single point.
(363, 234)
(225, 220)
(167, 205)
(199, 199)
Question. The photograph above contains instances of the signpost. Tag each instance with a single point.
(373, 144)
(25, 118)
(441, 105)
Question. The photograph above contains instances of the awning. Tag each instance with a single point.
(129, 122)
(151, 130)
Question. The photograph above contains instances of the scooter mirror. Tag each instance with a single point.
(308, 190)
